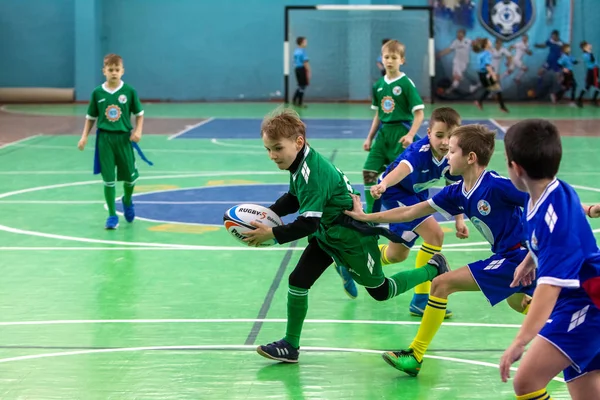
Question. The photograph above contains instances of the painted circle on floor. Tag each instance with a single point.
(206, 205)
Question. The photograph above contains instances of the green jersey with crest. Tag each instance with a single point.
(113, 108)
(396, 100)
(323, 191)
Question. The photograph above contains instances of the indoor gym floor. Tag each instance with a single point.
(171, 307)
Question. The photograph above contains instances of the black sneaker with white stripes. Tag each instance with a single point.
(280, 351)
(439, 261)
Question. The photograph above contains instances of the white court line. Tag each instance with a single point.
(190, 127)
(494, 122)
(239, 347)
(247, 320)
(18, 142)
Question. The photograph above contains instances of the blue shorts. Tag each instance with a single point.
(573, 328)
(394, 198)
(494, 275)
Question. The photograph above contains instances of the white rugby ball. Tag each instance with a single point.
(237, 221)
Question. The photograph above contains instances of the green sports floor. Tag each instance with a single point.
(171, 307)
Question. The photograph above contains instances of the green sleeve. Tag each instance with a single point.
(312, 195)
(92, 110)
(136, 106)
(375, 101)
(414, 100)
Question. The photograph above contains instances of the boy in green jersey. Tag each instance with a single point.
(320, 193)
(111, 105)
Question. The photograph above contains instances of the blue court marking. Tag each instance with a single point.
(207, 205)
(247, 128)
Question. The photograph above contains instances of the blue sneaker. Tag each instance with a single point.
(349, 285)
(418, 304)
(112, 222)
(128, 211)
(280, 351)
(419, 301)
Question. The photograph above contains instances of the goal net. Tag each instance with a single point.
(344, 42)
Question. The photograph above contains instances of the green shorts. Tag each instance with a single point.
(359, 254)
(386, 147)
(115, 152)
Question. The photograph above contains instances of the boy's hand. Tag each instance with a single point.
(462, 232)
(594, 211)
(82, 143)
(406, 140)
(378, 190)
(357, 211)
(136, 136)
(367, 144)
(262, 233)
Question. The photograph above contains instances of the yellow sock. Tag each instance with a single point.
(423, 256)
(432, 320)
(539, 395)
(526, 310)
(384, 260)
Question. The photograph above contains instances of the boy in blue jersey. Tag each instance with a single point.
(566, 62)
(487, 76)
(493, 205)
(406, 182)
(554, 45)
(564, 317)
(302, 69)
(591, 75)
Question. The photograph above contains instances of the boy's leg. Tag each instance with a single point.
(433, 237)
(107, 169)
(313, 262)
(410, 360)
(128, 173)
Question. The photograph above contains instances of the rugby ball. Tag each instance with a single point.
(237, 221)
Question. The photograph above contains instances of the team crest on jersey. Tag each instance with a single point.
(506, 19)
(484, 207)
(397, 90)
(122, 99)
(387, 104)
(113, 113)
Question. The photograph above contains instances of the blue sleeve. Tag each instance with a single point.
(446, 202)
(487, 58)
(411, 156)
(507, 192)
(562, 60)
(304, 57)
(560, 254)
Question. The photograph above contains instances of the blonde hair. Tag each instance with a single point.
(283, 123)
(112, 59)
(393, 46)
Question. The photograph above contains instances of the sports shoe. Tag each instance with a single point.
(418, 304)
(403, 360)
(440, 262)
(349, 285)
(112, 222)
(280, 351)
(128, 211)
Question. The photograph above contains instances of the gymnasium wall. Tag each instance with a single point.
(175, 50)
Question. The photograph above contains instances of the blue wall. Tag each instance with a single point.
(178, 49)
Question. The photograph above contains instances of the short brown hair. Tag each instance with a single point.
(393, 46)
(283, 123)
(535, 145)
(478, 139)
(447, 115)
(112, 59)
(583, 44)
